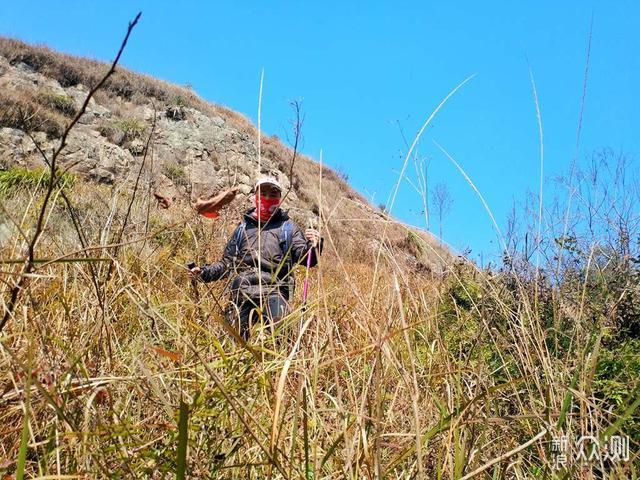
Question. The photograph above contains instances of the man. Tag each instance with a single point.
(262, 270)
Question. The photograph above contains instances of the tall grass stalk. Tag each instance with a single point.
(394, 374)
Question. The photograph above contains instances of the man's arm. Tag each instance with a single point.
(216, 271)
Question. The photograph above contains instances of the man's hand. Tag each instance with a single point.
(313, 236)
(195, 272)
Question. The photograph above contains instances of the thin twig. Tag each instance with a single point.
(53, 181)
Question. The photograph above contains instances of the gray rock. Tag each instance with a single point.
(7, 230)
(94, 112)
(136, 147)
(96, 156)
(101, 175)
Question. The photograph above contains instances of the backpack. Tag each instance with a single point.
(286, 233)
(287, 286)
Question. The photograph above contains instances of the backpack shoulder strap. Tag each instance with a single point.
(286, 232)
(237, 236)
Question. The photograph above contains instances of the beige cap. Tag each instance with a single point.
(267, 181)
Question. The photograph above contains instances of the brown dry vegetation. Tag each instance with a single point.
(396, 375)
(22, 110)
(100, 351)
(124, 90)
(70, 70)
(112, 363)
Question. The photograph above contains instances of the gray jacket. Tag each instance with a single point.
(240, 257)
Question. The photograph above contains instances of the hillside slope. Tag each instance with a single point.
(196, 148)
(114, 365)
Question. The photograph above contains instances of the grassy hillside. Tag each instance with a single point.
(115, 366)
(196, 147)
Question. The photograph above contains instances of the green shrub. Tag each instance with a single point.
(465, 293)
(616, 370)
(179, 101)
(413, 243)
(60, 102)
(615, 380)
(123, 130)
(176, 174)
(19, 177)
(176, 108)
(132, 128)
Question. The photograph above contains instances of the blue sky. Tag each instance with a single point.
(363, 68)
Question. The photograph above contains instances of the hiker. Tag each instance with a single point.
(283, 245)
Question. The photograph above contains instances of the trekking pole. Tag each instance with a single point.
(196, 293)
(305, 285)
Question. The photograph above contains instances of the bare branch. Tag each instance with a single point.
(297, 122)
(53, 181)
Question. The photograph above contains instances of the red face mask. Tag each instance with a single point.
(265, 207)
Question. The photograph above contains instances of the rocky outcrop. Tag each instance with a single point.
(190, 148)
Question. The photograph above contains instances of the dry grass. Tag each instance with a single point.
(22, 110)
(457, 370)
(70, 71)
(110, 366)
